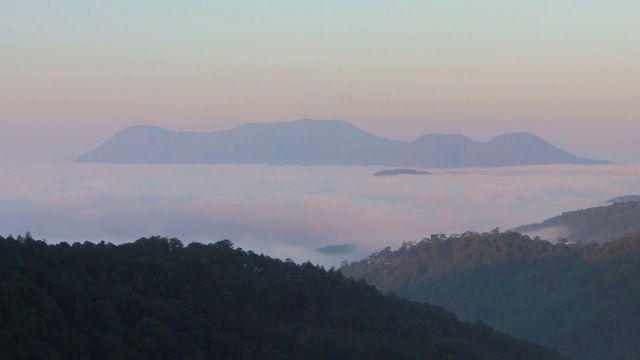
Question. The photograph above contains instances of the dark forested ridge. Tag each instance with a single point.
(582, 299)
(601, 224)
(155, 299)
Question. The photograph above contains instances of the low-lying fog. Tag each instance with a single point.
(290, 211)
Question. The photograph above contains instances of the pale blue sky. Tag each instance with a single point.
(73, 72)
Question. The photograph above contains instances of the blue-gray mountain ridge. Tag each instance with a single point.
(322, 142)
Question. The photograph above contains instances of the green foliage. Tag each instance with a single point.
(158, 299)
(581, 299)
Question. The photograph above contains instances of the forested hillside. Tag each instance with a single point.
(158, 299)
(582, 300)
(624, 198)
(601, 224)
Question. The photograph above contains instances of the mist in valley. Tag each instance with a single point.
(325, 214)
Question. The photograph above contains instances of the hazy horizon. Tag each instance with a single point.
(66, 150)
(75, 72)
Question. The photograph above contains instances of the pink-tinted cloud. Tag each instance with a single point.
(288, 211)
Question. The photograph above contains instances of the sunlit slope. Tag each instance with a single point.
(581, 300)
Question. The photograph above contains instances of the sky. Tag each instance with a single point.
(291, 211)
(74, 72)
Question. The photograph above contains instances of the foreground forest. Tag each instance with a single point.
(580, 299)
(158, 299)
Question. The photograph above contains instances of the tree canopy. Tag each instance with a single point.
(580, 299)
(158, 299)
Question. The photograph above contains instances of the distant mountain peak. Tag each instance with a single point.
(322, 142)
(518, 136)
(442, 137)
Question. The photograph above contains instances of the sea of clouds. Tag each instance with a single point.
(291, 211)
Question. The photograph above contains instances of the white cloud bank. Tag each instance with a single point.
(288, 211)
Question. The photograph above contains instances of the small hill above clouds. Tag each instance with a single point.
(600, 224)
(623, 198)
(393, 172)
(321, 142)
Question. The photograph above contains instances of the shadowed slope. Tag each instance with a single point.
(157, 299)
